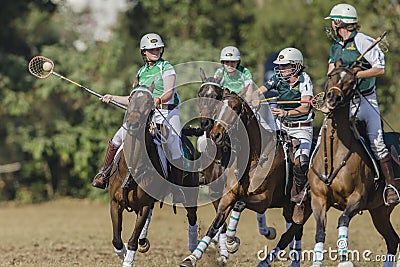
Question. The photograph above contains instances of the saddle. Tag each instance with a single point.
(391, 140)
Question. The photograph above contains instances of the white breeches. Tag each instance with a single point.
(304, 134)
(172, 141)
(369, 113)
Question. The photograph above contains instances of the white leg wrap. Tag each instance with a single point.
(143, 233)
(342, 242)
(216, 237)
(201, 247)
(390, 260)
(193, 236)
(222, 246)
(262, 224)
(129, 258)
(318, 256)
(233, 222)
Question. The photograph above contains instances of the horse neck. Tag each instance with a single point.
(338, 124)
(254, 135)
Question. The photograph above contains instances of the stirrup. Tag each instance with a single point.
(387, 187)
(105, 175)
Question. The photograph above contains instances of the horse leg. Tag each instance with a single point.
(381, 219)
(116, 218)
(233, 242)
(223, 211)
(192, 228)
(133, 242)
(144, 243)
(353, 206)
(319, 207)
(263, 229)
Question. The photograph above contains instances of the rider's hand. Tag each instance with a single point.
(157, 102)
(106, 98)
(279, 112)
(356, 67)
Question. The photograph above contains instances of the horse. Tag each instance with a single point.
(210, 92)
(137, 180)
(256, 182)
(342, 173)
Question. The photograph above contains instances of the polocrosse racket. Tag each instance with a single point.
(316, 102)
(42, 67)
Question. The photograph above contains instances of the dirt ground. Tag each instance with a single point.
(72, 232)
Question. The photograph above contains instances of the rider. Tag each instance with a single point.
(234, 76)
(160, 72)
(293, 84)
(347, 47)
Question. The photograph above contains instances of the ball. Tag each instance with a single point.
(47, 66)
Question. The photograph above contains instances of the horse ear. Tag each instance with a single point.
(202, 75)
(338, 63)
(152, 86)
(136, 83)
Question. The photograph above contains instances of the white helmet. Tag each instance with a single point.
(343, 12)
(230, 53)
(151, 40)
(291, 56)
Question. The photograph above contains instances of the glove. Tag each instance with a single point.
(356, 67)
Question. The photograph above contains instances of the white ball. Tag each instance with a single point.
(47, 66)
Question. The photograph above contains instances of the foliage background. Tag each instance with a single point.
(59, 133)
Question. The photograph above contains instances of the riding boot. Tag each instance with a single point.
(101, 179)
(299, 190)
(298, 194)
(176, 177)
(390, 194)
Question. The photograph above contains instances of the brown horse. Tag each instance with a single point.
(138, 178)
(256, 177)
(210, 93)
(342, 173)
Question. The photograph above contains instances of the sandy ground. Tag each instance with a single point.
(71, 232)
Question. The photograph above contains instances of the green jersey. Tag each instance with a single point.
(147, 75)
(235, 82)
(349, 50)
(302, 87)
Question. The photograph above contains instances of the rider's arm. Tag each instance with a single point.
(124, 100)
(169, 85)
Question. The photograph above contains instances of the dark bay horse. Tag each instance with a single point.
(256, 177)
(138, 179)
(210, 93)
(342, 174)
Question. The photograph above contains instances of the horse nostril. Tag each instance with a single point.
(329, 94)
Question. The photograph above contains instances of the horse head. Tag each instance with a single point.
(139, 108)
(339, 88)
(210, 91)
(228, 112)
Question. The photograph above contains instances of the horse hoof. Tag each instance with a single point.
(120, 253)
(271, 233)
(222, 260)
(233, 246)
(189, 261)
(346, 264)
(143, 248)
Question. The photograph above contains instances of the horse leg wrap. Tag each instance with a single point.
(201, 247)
(390, 259)
(233, 222)
(239, 206)
(143, 233)
(318, 256)
(193, 235)
(269, 258)
(295, 252)
(216, 237)
(223, 251)
(129, 258)
(342, 243)
(262, 224)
